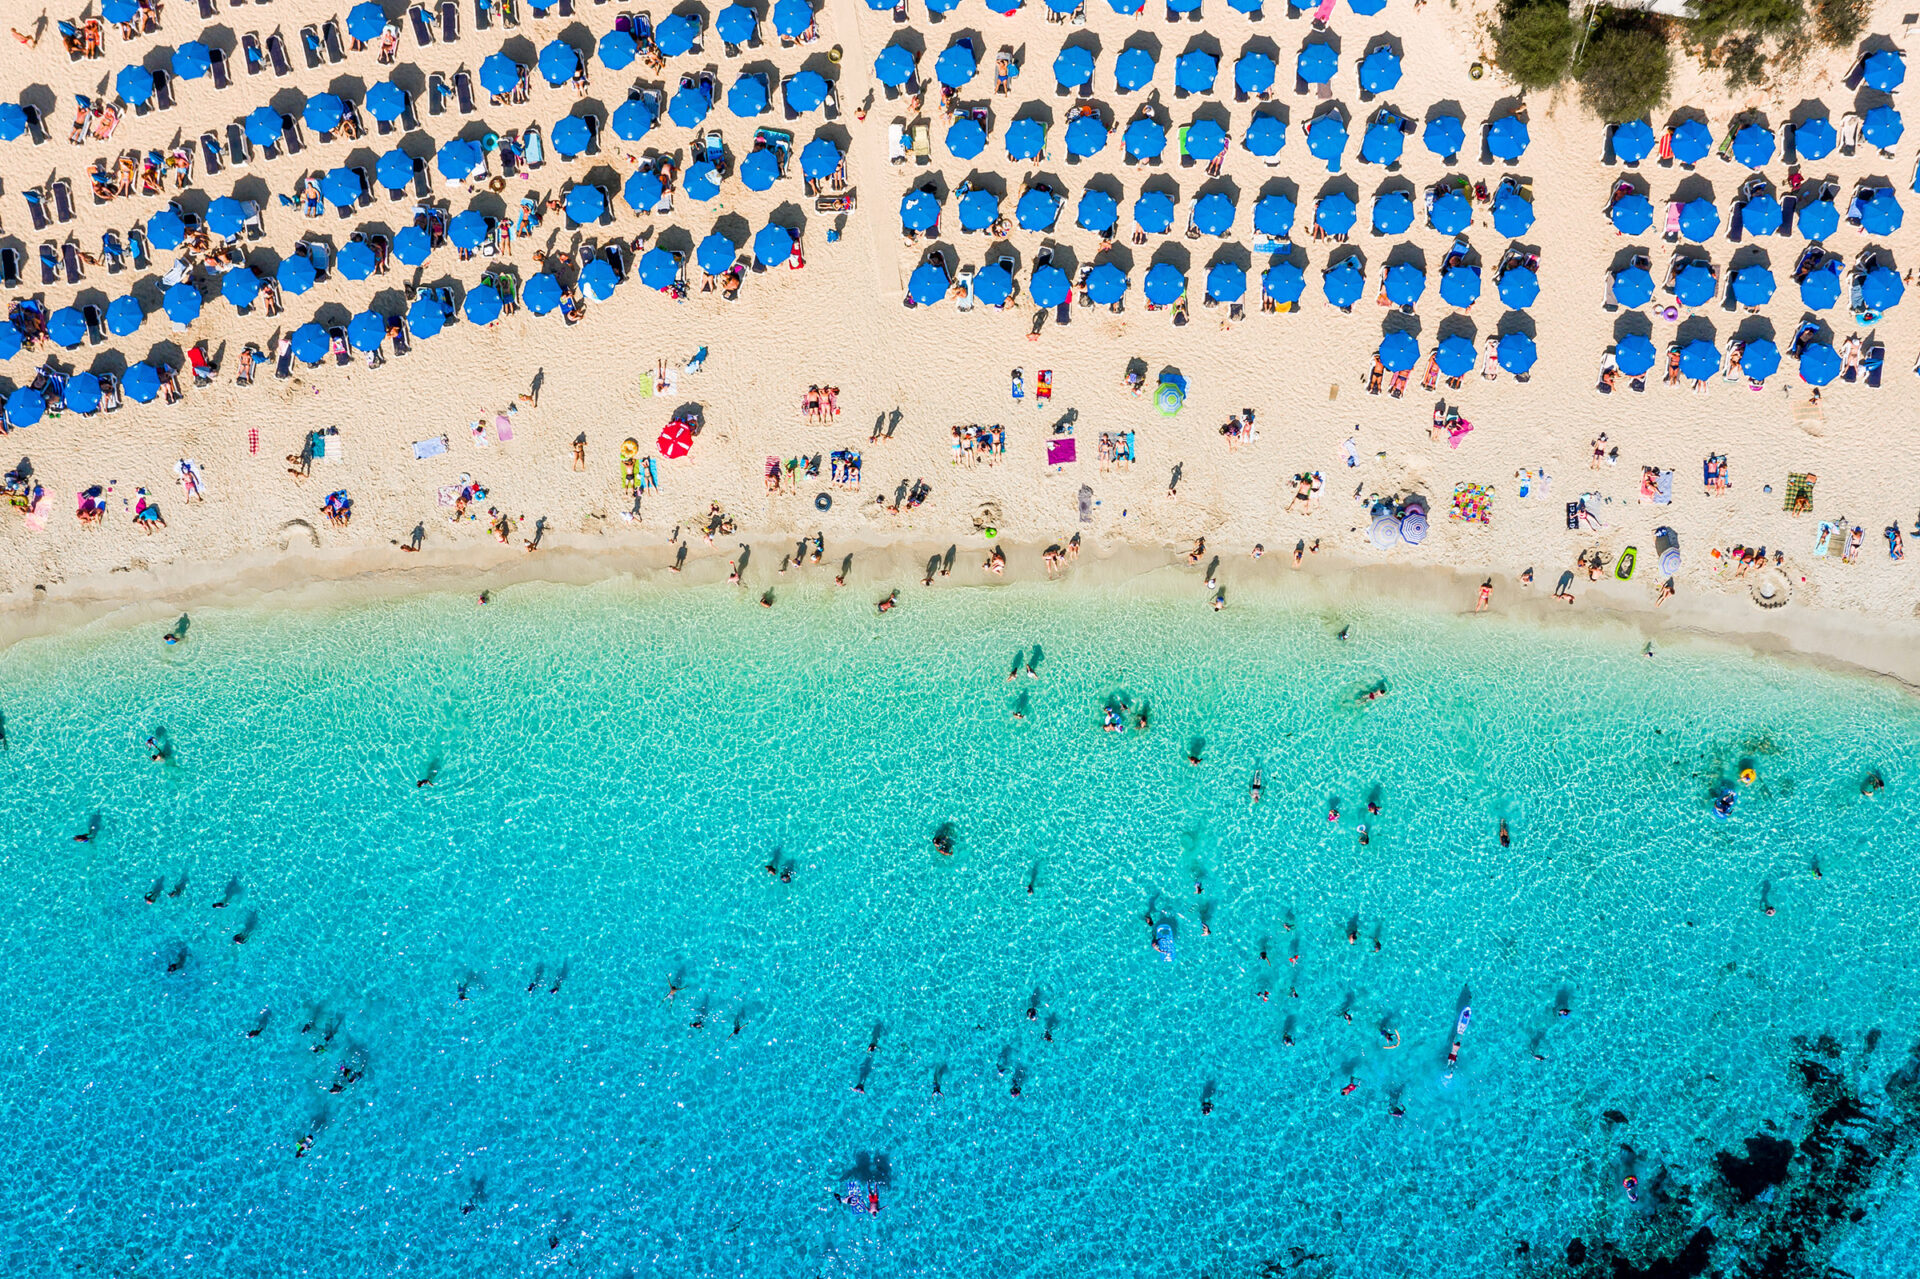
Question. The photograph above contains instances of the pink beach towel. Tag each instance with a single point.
(1060, 451)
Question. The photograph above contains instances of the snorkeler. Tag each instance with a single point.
(1253, 791)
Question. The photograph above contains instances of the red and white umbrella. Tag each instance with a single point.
(676, 439)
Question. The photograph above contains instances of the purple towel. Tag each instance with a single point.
(1060, 450)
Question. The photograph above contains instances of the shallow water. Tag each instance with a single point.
(616, 766)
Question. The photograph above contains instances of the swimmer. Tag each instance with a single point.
(1193, 758)
(1506, 840)
(1397, 1110)
(486, 597)
(673, 988)
(170, 639)
(1390, 1040)
(886, 605)
(1333, 813)
(159, 754)
(1344, 631)
(1219, 601)
(1286, 1040)
(461, 992)
(1140, 721)
(433, 771)
(766, 600)
(1632, 1187)
(1352, 1084)
(1206, 1105)
(1872, 785)
(1253, 790)
(1374, 694)
(1262, 994)
(1363, 834)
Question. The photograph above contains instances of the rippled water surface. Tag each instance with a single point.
(616, 767)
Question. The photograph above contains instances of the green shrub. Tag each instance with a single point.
(1839, 22)
(1744, 59)
(1533, 44)
(1715, 20)
(1624, 70)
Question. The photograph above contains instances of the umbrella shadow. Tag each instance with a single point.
(1286, 188)
(1173, 254)
(1696, 328)
(1754, 328)
(1695, 186)
(1457, 326)
(1632, 324)
(1407, 252)
(1516, 322)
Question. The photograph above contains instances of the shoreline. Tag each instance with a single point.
(1861, 644)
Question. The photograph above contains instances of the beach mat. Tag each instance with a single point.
(1060, 451)
(424, 449)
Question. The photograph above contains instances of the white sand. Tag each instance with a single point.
(840, 322)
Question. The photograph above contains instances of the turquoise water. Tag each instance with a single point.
(616, 766)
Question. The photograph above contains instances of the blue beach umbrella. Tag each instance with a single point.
(978, 210)
(1379, 70)
(1450, 214)
(1145, 139)
(1026, 138)
(558, 61)
(467, 230)
(1635, 355)
(457, 159)
(598, 280)
(1195, 71)
(791, 18)
(1398, 352)
(919, 210)
(1383, 142)
(1699, 359)
(716, 254)
(356, 260)
(1880, 212)
(386, 100)
(1881, 289)
(569, 136)
(928, 284)
(702, 181)
(1344, 282)
(1106, 284)
(734, 24)
(83, 393)
(1206, 139)
(1444, 135)
(240, 286)
(1512, 213)
(225, 216)
(618, 49)
(499, 73)
(25, 407)
(1820, 287)
(1405, 282)
(586, 204)
(1049, 286)
(1392, 213)
(1460, 285)
(1519, 287)
(1317, 62)
(1284, 282)
(1816, 139)
(323, 112)
(67, 327)
(393, 170)
(190, 60)
(1086, 136)
(656, 269)
(1153, 211)
(425, 319)
(1692, 142)
(135, 84)
(643, 190)
(1631, 214)
(1073, 66)
(141, 383)
(1327, 139)
(759, 171)
(1097, 211)
(675, 35)
(1884, 69)
(341, 188)
(1213, 213)
(805, 91)
(1226, 282)
(310, 345)
(181, 303)
(1819, 363)
(366, 331)
(1760, 359)
(955, 66)
(1133, 69)
(1164, 284)
(894, 66)
(1699, 219)
(1694, 284)
(1632, 141)
(1633, 287)
(1753, 146)
(119, 11)
(1752, 285)
(543, 292)
(1516, 352)
(1882, 127)
(1173, 6)
(1819, 219)
(125, 316)
(1335, 213)
(1253, 72)
(773, 245)
(1037, 210)
(993, 284)
(1265, 134)
(1455, 356)
(966, 139)
(1761, 215)
(1507, 137)
(365, 21)
(746, 99)
(632, 120)
(483, 305)
(13, 121)
(296, 274)
(1248, 7)
(410, 244)
(1273, 216)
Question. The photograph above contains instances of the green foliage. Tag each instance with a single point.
(1715, 20)
(1839, 22)
(1533, 44)
(1625, 69)
(1744, 59)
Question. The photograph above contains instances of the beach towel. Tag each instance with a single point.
(1714, 473)
(424, 449)
(449, 494)
(189, 472)
(1086, 504)
(1472, 503)
(503, 427)
(1799, 499)
(1060, 450)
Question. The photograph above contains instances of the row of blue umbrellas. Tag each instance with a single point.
(1878, 212)
(1754, 143)
(1818, 362)
(1455, 355)
(1695, 285)
(1126, 8)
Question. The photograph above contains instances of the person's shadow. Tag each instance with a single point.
(180, 627)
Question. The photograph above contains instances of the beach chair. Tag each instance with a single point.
(964, 302)
(252, 54)
(36, 208)
(311, 47)
(162, 91)
(923, 142)
(463, 91)
(438, 93)
(218, 69)
(422, 22)
(449, 21)
(897, 143)
(277, 54)
(9, 267)
(212, 154)
(70, 258)
(291, 136)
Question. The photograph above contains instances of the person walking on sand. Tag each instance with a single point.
(1486, 596)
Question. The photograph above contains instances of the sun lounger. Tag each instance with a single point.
(463, 90)
(9, 267)
(70, 257)
(252, 54)
(218, 69)
(922, 142)
(277, 53)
